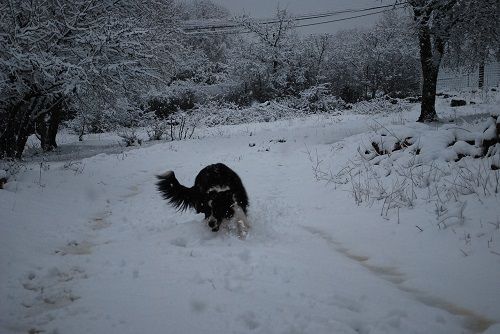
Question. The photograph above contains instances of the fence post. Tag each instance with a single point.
(481, 74)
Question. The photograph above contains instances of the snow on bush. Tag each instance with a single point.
(9, 168)
(3, 178)
(178, 97)
(176, 113)
(311, 101)
(214, 113)
(157, 128)
(182, 125)
(130, 137)
(400, 165)
(316, 99)
(381, 105)
(170, 120)
(122, 114)
(125, 114)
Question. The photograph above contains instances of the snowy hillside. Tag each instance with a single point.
(343, 239)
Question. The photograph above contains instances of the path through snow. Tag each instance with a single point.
(99, 251)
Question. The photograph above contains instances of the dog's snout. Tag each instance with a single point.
(213, 224)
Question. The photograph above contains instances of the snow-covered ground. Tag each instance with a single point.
(88, 245)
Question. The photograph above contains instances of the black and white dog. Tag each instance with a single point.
(217, 192)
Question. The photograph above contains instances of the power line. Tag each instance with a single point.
(194, 28)
(237, 30)
(213, 27)
(343, 19)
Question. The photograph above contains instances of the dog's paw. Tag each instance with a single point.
(242, 229)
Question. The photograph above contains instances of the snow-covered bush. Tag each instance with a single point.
(182, 125)
(9, 168)
(381, 105)
(177, 98)
(157, 128)
(400, 165)
(121, 114)
(3, 178)
(130, 137)
(216, 113)
(316, 99)
(93, 121)
(124, 114)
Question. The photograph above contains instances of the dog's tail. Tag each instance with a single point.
(178, 195)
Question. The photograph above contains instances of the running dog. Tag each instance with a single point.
(217, 192)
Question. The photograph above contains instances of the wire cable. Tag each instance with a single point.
(342, 19)
(213, 27)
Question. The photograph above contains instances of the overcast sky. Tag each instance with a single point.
(266, 8)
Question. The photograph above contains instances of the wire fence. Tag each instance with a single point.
(456, 80)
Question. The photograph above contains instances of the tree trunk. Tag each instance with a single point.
(16, 130)
(47, 126)
(47, 143)
(430, 59)
(53, 128)
(20, 124)
(429, 84)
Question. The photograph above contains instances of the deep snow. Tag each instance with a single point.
(89, 246)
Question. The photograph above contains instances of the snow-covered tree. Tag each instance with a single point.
(378, 60)
(314, 54)
(390, 57)
(202, 56)
(53, 51)
(467, 22)
(267, 62)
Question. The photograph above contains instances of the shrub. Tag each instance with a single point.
(178, 99)
(457, 103)
(130, 137)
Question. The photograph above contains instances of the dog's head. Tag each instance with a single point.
(220, 208)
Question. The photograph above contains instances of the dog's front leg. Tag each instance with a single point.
(242, 227)
(241, 222)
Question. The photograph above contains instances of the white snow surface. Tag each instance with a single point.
(89, 246)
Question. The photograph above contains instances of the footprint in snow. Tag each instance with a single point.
(37, 283)
(134, 191)
(51, 290)
(249, 319)
(198, 306)
(75, 248)
(100, 222)
(49, 300)
(179, 242)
